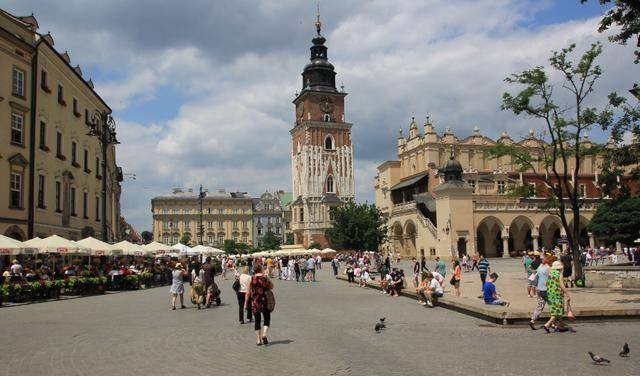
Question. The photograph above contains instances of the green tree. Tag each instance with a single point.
(625, 17)
(556, 152)
(358, 227)
(185, 239)
(270, 241)
(315, 245)
(147, 236)
(230, 247)
(617, 221)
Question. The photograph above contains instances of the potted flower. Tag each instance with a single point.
(4, 293)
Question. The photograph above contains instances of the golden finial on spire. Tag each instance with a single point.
(318, 23)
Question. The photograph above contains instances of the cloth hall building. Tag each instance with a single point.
(445, 196)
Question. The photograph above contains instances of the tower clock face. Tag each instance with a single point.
(327, 105)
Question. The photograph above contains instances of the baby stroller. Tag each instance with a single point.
(214, 294)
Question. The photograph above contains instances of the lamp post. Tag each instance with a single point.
(201, 196)
(104, 127)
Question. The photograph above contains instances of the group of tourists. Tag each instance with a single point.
(252, 285)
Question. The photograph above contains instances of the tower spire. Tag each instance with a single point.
(318, 23)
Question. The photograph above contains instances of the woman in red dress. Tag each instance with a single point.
(258, 287)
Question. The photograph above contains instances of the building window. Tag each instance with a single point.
(235, 224)
(269, 220)
(75, 108)
(277, 230)
(59, 154)
(85, 158)
(41, 185)
(501, 186)
(532, 190)
(330, 185)
(15, 188)
(85, 204)
(17, 128)
(221, 238)
(221, 211)
(98, 167)
(332, 212)
(326, 118)
(328, 143)
(165, 239)
(44, 82)
(73, 201)
(74, 149)
(17, 87)
(165, 225)
(43, 135)
(582, 190)
(58, 197)
(209, 240)
(301, 214)
(209, 224)
(259, 231)
(245, 224)
(97, 208)
(208, 210)
(61, 95)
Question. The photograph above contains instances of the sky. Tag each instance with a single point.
(201, 90)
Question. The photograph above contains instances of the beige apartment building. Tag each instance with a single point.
(445, 196)
(58, 180)
(225, 216)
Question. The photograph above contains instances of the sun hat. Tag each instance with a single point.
(536, 253)
(556, 265)
(178, 266)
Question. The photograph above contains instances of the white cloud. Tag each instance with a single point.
(395, 58)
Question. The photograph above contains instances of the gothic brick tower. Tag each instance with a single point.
(321, 154)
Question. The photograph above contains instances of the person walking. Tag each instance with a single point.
(556, 295)
(197, 284)
(457, 276)
(244, 280)
(567, 267)
(483, 269)
(257, 292)
(296, 269)
(335, 264)
(542, 274)
(416, 272)
(303, 268)
(209, 272)
(311, 269)
(177, 285)
(350, 274)
(423, 264)
(441, 267)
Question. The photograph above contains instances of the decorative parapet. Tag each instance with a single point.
(524, 206)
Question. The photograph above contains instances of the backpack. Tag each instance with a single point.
(236, 285)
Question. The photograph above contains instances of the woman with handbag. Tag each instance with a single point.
(457, 276)
(241, 287)
(259, 288)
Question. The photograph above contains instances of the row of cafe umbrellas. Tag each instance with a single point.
(57, 244)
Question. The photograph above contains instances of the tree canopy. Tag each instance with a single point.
(147, 236)
(270, 241)
(358, 227)
(617, 221)
(625, 17)
(185, 239)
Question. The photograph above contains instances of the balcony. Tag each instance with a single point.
(403, 208)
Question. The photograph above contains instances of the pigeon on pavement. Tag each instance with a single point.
(625, 350)
(597, 359)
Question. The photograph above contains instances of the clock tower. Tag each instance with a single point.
(321, 154)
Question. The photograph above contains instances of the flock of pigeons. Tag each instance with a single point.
(597, 359)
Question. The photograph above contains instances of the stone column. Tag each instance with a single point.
(505, 246)
(618, 248)
(592, 240)
(535, 242)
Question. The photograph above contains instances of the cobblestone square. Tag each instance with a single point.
(322, 328)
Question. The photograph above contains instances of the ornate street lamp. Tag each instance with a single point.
(201, 197)
(104, 127)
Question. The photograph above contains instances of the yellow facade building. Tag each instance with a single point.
(225, 216)
(444, 196)
(58, 180)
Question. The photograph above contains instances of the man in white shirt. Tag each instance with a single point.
(16, 268)
(432, 290)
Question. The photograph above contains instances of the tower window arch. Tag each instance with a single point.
(329, 143)
(330, 187)
(327, 118)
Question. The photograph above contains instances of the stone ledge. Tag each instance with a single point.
(505, 316)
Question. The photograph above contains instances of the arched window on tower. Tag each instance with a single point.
(327, 118)
(328, 143)
(330, 184)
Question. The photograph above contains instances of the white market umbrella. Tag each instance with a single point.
(58, 244)
(10, 247)
(131, 249)
(157, 248)
(328, 250)
(100, 248)
(181, 248)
